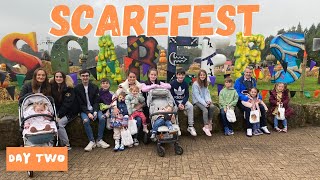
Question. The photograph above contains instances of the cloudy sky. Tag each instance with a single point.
(34, 16)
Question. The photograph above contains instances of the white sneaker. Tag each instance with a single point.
(90, 146)
(192, 131)
(265, 130)
(102, 144)
(249, 132)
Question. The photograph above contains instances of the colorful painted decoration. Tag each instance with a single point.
(248, 51)
(174, 57)
(209, 57)
(150, 46)
(285, 48)
(60, 55)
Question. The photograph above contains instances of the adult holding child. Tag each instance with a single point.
(125, 87)
(201, 98)
(242, 85)
(38, 84)
(65, 102)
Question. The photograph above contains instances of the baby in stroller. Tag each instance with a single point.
(163, 119)
(38, 123)
(37, 120)
(156, 100)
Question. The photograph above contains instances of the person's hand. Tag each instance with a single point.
(225, 110)
(90, 116)
(249, 97)
(95, 114)
(181, 107)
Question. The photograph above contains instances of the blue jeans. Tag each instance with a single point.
(255, 126)
(88, 129)
(224, 119)
(160, 122)
(139, 123)
(284, 122)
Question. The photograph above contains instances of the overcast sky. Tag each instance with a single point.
(34, 16)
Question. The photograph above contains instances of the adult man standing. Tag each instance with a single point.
(88, 99)
(242, 85)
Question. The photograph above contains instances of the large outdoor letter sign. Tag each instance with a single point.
(152, 52)
(173, 57)
(60, 56)
(285, 48)
(9, 50)
(209, 57)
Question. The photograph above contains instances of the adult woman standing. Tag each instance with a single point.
(38, 84)
(125, 87)
(66, 107)
(201, 97)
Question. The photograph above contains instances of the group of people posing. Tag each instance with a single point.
(112, 110)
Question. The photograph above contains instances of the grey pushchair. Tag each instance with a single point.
(158, 99)
(42, 137)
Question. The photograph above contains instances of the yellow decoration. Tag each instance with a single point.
(245, 54)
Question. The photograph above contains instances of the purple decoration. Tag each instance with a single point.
(220, 86)
(271, 68)
(212, 80)
(74, 78)
(145, 68)
(312, 64)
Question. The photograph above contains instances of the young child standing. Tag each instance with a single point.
(228, 98)
(180, 92)
(253, 103)
(280, 95)
(133, 99)
(201, 97)
(118, 121)
(163, 120)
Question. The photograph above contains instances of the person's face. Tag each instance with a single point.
(153, 76)
(105, 85)
(168, 109)
(84, 77)
(280, 87)
(253, 93)
(228, 85)
(247, 73)
(180, 77)
(135, 92)
(121, 98)
(132, 78)
(38, 108)
(58, 78)
(41, 76)
(203, 76)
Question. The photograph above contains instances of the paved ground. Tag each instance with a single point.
(295, 155)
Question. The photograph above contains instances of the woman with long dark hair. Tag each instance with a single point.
(65, 102)
(38, 84)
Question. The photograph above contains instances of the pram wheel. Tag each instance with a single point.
(161, 151)
(30, 173)
(178, 149)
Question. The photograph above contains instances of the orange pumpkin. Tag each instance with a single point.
(5, 84)
(96, 58)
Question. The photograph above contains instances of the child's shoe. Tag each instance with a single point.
(153, 137)
(277, 129)
(256, 133)
(259, 131)
(135, 142)
(231, 131)
(121, 148)
(145, 128)
(206, 130)
(285, 130)
(227, 131)
(116, 145)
